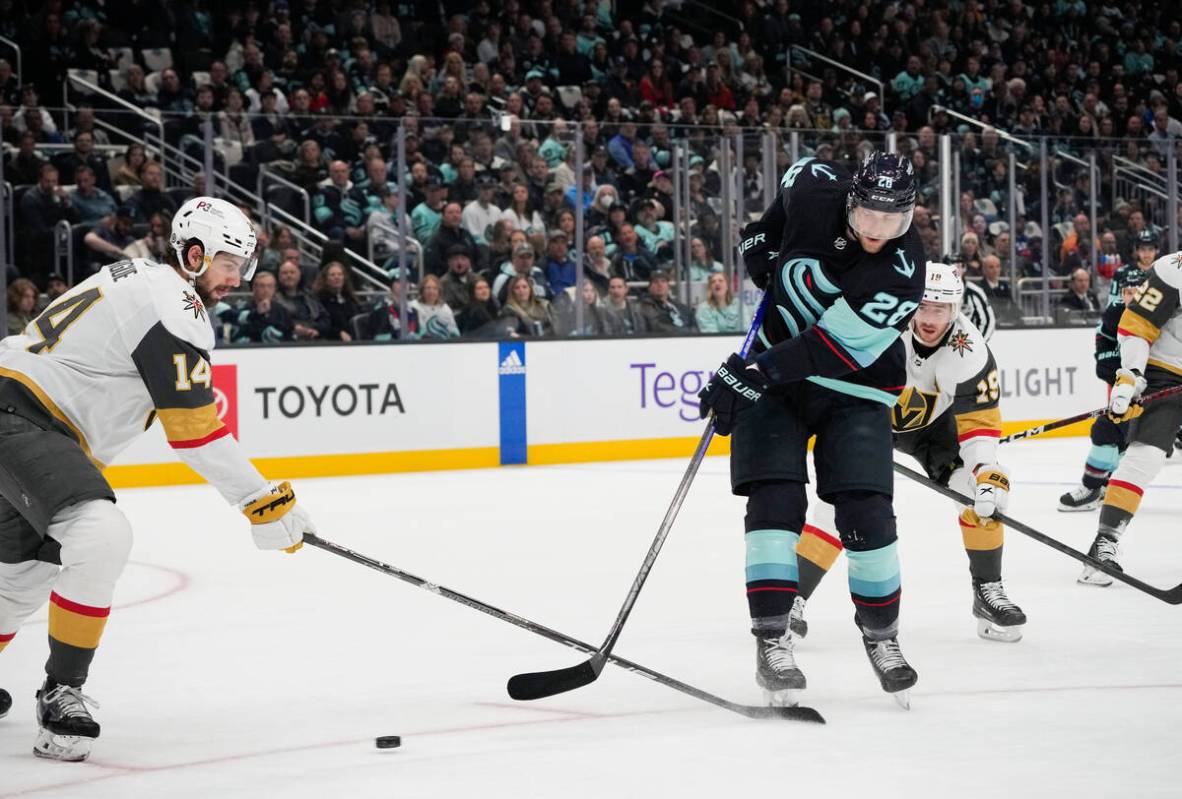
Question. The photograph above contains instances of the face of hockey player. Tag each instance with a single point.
(1146, 255)
(932, 321)
(875, 228)
(223, 276)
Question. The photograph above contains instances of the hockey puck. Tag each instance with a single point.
(388, 742)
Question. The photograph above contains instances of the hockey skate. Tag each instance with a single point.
(65, 727)
(1082, 498)
(776, 671)
(1104, 549)
(796, 622)
(892, 669)
(998, 619)
(5, 702)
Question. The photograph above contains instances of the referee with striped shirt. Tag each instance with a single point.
(975, 304)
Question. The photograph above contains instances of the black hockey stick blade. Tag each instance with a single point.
(798, 713)
(541, 684)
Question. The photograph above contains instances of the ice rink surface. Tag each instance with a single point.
(230, 672)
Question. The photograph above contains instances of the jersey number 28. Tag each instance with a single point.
(878, 308)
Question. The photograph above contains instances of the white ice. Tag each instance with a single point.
(230, 672)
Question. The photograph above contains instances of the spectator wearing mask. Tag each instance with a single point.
(622, 312)
(334, 289)
(309, 318)
(531, 314)
(560, 269)
(719, 312)
(662, 313)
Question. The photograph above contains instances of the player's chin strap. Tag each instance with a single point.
(1172, 596)
(1083, 417)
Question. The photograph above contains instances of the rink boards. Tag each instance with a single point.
(307, 411)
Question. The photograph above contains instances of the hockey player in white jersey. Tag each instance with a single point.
(1150, 338)
(124, 348)
(948, 419)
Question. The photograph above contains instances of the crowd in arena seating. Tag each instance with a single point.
(493, 96)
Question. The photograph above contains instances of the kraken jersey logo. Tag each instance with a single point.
(914, 409)
(904, 267)
(821, 169)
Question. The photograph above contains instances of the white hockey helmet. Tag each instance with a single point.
(220, 227)
(942, 284)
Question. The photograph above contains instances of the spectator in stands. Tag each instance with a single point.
(623, 314)
(172, 97)
(154, 244)
(630, 261)
(480, 311)
(334, 289)
(91, 202)
(427, 216)
(22, 305)
(1079, 296)
(655, 234)
(992, 284)
(83, 154)
(719, 312)
(30, 107)
(597, 267)
(310, 168)
(25, 167)
(46, 204)
(662, 313)
(10, 93)
(151, 197)
(560, 269)
(702, 264)
(233, 121)
(309, 318)
(436, 319)
(135, 90)
(262, 319)
(456, 284)
(531, 314)
(450, 233)
(106, 241)
(522, 212)
(338, 207)
(521, 265)
(1076, 247)
(128, 173)
(970, 253)
(1108, 258)
(481, 214)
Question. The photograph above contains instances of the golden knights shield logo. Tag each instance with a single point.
(914, 410)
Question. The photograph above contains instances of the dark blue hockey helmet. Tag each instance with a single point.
(1146, 238)
(1130, 277)
(881, 201)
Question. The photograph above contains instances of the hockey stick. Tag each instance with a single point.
(1083, 417)
(536, 685)
(1171, 596)
(751, 711)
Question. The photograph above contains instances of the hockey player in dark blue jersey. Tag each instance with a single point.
(846, 273)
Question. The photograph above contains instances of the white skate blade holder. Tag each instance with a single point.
(902, 698)
(995, 632)
(1087, 506)
(68, 748)
(786, 697)
(1095, 577)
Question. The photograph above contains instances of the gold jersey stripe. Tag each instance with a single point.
(53, 409)
(75, 629)
(1136, 325)
(818, 550)
(189, 424)
(986, 419)
(978, 536)
(1123, 498)
(1169, 367)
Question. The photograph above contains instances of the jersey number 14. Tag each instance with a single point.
(57, 318)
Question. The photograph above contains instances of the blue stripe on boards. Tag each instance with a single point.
(511, 388)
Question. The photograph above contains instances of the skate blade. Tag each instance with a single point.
(903, 698)
(1094, 577)
(1079, 508)
(995, 632)
(67, 748)
(786, 697)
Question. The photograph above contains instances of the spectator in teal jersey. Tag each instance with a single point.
(909, 82)
(426, 216)
(719, 312)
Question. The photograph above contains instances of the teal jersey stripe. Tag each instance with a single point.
(788, 320)
(803, 289)
(1104, 457)
(771, 546)
(774, 571)
(763, 338)
(855, 390)
(859, 338)
(822, 281)
(874, 565)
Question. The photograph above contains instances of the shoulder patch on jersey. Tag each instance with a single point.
(960, 342)
(193, 303)
(180, 309)
(1169, 269)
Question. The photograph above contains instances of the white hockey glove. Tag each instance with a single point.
(992, 492)
(276, 521)
(1127, 388)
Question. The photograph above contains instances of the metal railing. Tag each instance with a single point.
(149, 119)
(937, 109)
(811, 55)
(16, 48)
(268, 176)
(363, 268)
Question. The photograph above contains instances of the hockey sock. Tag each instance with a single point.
(1102, 459)
(982, 541)
(771, 578)
(1120, 505)
(74, 633)
(816, 552)
(875, 587)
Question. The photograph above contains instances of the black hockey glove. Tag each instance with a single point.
(760, 249)
(733, 390)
